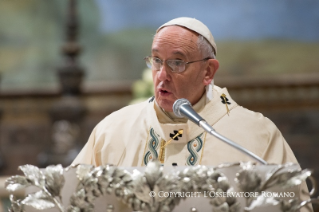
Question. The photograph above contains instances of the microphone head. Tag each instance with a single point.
(177, 105)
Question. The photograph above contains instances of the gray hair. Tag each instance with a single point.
(205, 47)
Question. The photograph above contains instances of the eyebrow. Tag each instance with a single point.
(155, 50)
(179, 53)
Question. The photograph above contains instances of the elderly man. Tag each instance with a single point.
(183, 65)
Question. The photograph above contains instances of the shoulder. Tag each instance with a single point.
(243, 117)
(253, 129)
(125, 115)
(130, 110)
(252, 118)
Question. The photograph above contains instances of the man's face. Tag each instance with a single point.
(178, 43)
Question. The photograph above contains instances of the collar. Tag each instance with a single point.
(213, 111)
(165, 117)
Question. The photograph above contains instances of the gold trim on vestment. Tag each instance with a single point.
(201, 156)
(225, 100)
(161, 155)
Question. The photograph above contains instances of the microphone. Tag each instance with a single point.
(183, 108)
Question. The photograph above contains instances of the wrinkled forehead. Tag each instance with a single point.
(175, 31)
(176, 37)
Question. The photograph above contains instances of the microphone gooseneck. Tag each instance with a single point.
(183, 108)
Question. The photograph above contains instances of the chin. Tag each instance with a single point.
(165, 104)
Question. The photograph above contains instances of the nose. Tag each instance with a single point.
(163, 73)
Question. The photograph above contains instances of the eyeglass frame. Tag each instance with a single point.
(147, 59)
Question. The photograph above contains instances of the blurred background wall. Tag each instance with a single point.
(268, 52)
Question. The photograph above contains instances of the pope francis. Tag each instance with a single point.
(183, 62)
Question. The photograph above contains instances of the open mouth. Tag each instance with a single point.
(163, 91)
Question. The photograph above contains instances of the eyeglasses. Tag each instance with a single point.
(176, 66)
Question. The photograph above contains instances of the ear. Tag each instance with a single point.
(211, 69)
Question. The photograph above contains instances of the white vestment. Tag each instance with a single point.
(133, 135)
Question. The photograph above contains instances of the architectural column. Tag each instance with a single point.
(67, 113)
(1, 156)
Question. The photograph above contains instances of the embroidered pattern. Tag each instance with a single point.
(174, 136)
(152, 147)
(162, 151)
(225, 101)
(151, 99)
(177, 133)
(194, 146)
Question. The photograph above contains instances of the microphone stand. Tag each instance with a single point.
(183, 108)
(211, 131)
